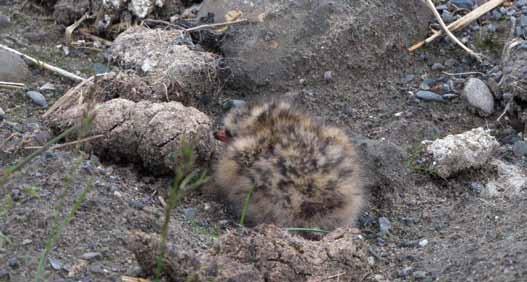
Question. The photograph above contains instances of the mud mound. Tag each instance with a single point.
(292, 39)
(266, 253)
(165, 58)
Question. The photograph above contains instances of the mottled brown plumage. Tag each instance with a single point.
(304, 174)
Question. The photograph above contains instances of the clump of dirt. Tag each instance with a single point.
(265, 253)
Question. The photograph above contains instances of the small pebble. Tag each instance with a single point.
(419, 274)
(190, 213)
(2, 114)
(427, 84)
(423, 243)
(55, 263)
(91, 256)
(328, 76)
(13, 263)
(438, 67)
(384, 225)
(478, 95)
(450, 63)
(136, 204)
(4, 275)
(37, 98)
(405, 272)
(520, 148)
(47, 86)
(465, 4)
(408, 78)
(429, 96)
(5, 21)
(523, 21)
(450, 96)
(476, 187)
(100, 68)
(508, 96)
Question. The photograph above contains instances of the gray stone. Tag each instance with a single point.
(328, 76)
(438, 67)
(465, 4)
(523, 20)
(384, 225)
(5, 21)
(2, 114)
(478, 95)
(455, 153)
(451, 63)
(55, 263)
(419, 274)
(13, 262)
(429, 96)
(520, 148)
(91, 256)
(511, 180)
(37, 98)
(12, 67)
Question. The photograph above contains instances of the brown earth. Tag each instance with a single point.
(469, 238)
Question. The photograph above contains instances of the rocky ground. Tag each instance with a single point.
(434, 214)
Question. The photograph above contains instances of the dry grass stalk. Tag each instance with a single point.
(47, 66)
(461, 23)
(452, 36)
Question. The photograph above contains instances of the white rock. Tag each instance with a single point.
(511, 181)
(478, 95)
(455, 153)
(2, 114)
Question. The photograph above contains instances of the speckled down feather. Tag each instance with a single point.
(304, 174)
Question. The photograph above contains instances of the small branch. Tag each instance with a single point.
(507, 107)
(461, 23)
(54, 69)
(452, 36)
(58, 146)
(12, 85)
(215, 25)
(70, 29)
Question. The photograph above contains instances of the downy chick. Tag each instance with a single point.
(304, 174)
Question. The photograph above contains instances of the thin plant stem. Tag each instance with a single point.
(246, 206)
(59, 229)
(312, 230)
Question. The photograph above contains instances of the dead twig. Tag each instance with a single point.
(215, 25)
(67, 97)
(58, 146)
(40, 63)
(87, 34)
(452, 36)
(70, 29)
(507, 107)
(461, 23)
(15, 85)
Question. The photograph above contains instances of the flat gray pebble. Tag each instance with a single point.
(520, 148)
(12, 67)
(384, 225)
(465, 4)
(328, 76)
(478, 95)
(5, 21)
(55, 263)
(429, 96)
(13, 262)
(419, 274)
(37, 98)
(91, 256)
(438, 67)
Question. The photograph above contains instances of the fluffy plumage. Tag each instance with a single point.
(304, 174)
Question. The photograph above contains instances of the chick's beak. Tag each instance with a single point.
(222, 135)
